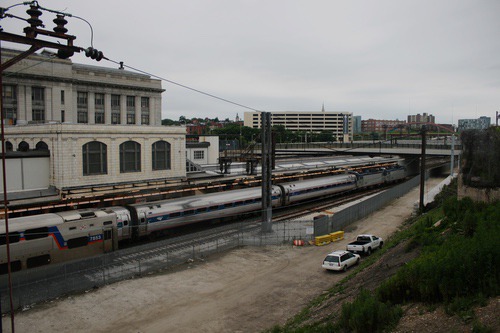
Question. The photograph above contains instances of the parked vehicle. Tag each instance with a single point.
(340, 260)
(365, 244)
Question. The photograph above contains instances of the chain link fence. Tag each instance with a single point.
(49, 282)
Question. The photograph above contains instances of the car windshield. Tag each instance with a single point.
(332, 258)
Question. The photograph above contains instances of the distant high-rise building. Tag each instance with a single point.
(356, 124)
(338, 123)
(480, 123)
(416, 120)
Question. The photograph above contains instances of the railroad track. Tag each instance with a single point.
(186, 242)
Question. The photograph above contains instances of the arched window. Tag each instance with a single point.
(8, 146)
(161, 155)
(23, 146)
(41, 146)
(130, 157)
(94, 158)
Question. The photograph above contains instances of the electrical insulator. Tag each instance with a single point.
(94, 54)
(64, 54)
(60, 23)
(35, 13)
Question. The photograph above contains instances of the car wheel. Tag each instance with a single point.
(381, 245)
(357, 261)
(345, 268)
(369, 252)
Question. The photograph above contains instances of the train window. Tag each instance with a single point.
(77, 242)
(92, 224)
(238, 203)
(188, 212)
(201, 210)
(38, 261)
(36, 233)
(211, 208)
(176, 214)
(14, 267)
(222, 206)
(119, 225)
(72, 228)
(87, 214)
(107, 223)
(247, 202)
(13, 238)
(107, 234)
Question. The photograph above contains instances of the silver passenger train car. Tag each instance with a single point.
(49, 238)
(55, 237)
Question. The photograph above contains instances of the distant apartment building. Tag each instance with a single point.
(338, 123)
(480, 123)
(416, 120)
(356, 124)
(380, 125)
(92, 126)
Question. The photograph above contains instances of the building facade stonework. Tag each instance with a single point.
(100, 126)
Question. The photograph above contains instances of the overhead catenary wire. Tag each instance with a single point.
(120, 63)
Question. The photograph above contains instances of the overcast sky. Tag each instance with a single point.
(380, 59)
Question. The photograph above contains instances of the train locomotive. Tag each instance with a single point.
(56, 237)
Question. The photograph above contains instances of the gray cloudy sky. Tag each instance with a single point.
(377, 59)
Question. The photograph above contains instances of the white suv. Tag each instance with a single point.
(340, 260)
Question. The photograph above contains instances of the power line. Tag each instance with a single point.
(183, 86)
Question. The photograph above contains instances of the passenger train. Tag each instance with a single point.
(56, 237)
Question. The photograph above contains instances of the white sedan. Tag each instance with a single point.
(340, 260)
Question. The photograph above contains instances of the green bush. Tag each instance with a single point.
(367, 314)
(464, 264)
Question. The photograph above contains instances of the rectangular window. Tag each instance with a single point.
(38, 261)
(145, 110)
(38, 104)
(13, 238)
(115, 109)
(9, 100)
(62, 116)
(82, 107)
(130, 109)
(36, 233)
(198, 154)
(62, 97)
(14, 267)
(99, 109)
(108, 234)
(77, 242)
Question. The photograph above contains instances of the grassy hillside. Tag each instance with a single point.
(456, 265)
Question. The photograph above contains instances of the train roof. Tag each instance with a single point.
(321, 181)
(31, 222)
(205, 199)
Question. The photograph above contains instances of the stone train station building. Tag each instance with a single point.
(75, 132)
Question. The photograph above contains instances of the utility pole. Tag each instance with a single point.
(422, 168)
(267, 213)
(452, 166)
(64, 51)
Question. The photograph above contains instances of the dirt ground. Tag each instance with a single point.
(245, 290)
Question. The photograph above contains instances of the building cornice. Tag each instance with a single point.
(79, 82)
